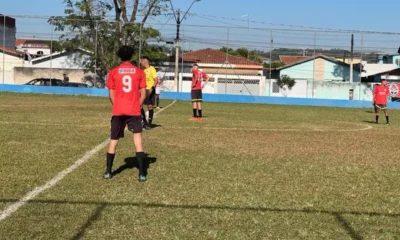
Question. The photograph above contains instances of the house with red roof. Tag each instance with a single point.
(213, 61)
(9, 59)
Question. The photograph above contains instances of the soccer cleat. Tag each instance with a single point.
(142, 178)
(200, 119)
(108, 175)
(193, 119)
(147, 127)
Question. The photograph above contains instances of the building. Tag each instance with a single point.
(34, 47)
(9, 60)
(214, 61)
(318, 68)
(72, 63)
(287, 60)
(7, 29)
(388, 59)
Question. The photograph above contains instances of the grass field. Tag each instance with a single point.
(246, 172)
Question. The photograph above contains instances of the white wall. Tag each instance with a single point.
(46, 51)
(73, 61)
(7, 67)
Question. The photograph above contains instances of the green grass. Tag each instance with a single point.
(246, 172)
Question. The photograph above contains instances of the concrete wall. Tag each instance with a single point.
(8, 67)
(23, 75)
(10, 36)
(339, 90)
(206, 97)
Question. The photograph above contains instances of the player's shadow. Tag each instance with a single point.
(371, 122)
(155, 125)
(132, 163)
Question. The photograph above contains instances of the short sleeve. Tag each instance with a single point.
(204, 75)
(142, 80)
(110, 80)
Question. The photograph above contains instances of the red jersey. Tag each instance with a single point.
(126, 80)
(197, 79)
(381, 94)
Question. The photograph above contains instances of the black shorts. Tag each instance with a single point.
(118, 124)
(197, 96)
(150, 97)
(381, 106)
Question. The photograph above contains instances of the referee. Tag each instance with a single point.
(151, 81)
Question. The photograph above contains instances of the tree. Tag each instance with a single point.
(243, 52)
(86, 27)
(274, 65)
(285, 83)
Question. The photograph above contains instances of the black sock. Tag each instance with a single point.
(387, 119)
(158, 101)
(151, 114)
(141, 158)
(110, 161)
(200, 113)
(194, 112)
(144, 117)
(377, 118)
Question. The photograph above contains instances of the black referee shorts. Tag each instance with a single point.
(150, 97)
(118, 124)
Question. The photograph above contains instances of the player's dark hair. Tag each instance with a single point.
(125, 53)
(146, 57)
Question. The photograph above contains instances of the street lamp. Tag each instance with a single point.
(178, 20)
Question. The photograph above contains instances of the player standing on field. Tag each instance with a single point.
(151, 80)
(381, 94)
(197, 94)
(127, 91)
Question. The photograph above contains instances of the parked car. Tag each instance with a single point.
(45, 82)
(74, 84)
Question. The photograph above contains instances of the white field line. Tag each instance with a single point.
(365, 127)
(60, 176)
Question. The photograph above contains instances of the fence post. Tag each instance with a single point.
(4, 47)
(216, 85)
(262, 86)
(180, 82)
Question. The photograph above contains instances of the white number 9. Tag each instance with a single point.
(127, 82)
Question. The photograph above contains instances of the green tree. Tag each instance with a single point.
(274, 65)
(285, 83)
(85, 26)
(243, 52)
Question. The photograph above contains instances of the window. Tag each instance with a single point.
(398, 62)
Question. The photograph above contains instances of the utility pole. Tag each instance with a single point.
(178, 27)
(351, 57)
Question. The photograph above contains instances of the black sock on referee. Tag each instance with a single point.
(151, 115)
(144, 116)
(194, 112)
(387, 119)
(377, 118)
(140, 156)
(200, 113)
(110, 161)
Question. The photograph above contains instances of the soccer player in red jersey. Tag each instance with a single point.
(197, 94)
(127, 91)
(381, 94)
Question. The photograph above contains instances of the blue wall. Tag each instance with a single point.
(206, 97)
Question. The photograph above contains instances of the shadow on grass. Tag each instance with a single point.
(338, 215)
(155, 125)
(132, 163)
(370, 122)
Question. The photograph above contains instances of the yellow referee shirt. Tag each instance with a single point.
(151, 76)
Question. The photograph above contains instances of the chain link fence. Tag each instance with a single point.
(240, 60)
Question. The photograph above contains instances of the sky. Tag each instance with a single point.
(366, 15)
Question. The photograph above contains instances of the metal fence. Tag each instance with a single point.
(265, 43)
